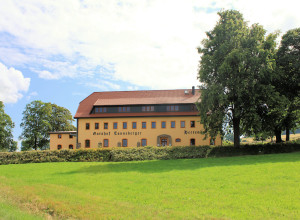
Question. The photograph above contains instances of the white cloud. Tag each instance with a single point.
(47, 75)
(103, 85)
(12, 83)
(146, 43)
(31, 95)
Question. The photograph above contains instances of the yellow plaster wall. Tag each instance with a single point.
(135, 135)
(64, 141)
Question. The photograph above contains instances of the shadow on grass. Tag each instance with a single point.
(158, 166)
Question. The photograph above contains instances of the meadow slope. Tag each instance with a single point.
(247, 187)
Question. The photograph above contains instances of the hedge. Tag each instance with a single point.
(142, 153)
(228, 151)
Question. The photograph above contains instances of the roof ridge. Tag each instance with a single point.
(144, 90)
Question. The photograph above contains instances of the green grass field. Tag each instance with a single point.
(248, 187)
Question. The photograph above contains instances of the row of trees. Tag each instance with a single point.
(39, 118)
(248, 83)
(7, 142)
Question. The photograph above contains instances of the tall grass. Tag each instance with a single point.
(248, 187)
(10, 212)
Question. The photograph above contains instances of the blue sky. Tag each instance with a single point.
(62, 51)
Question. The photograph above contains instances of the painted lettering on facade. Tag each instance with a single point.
(116, 133)
(192, 132)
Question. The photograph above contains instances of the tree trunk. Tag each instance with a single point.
(35, 144)
(236, 131)
(278, 135)
(287, 136)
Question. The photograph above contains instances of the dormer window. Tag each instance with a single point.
(100, 109)
(124, 109)
(194, 108)
(148, 108)
(172, 108)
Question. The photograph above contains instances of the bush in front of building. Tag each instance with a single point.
(105, 155)
(143, 153)
(229, 151)
(55, 156)
(158, 153)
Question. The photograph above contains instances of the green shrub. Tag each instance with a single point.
(143, 153)
(227, 151)
(160, 153)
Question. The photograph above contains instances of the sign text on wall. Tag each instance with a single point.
(118, 133)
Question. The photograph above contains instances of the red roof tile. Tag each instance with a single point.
(62, 132)
(134, 98)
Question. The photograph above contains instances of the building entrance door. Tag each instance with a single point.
(163, 141)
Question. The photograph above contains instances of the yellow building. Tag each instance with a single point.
(140, 118)
(62, 140)
(134, 119)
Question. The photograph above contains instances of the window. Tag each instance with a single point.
(105, 143)
(133, 125)
(70, 146)
(192, 142)
(177, 140)
(115, 125)
(105, 125)
(87, 126)
(100, 109)
(144, 125)
(96, 125)
(172, 108)
(59, 136)
(212, 141)
(70, 136)
(59, 147)
(192, 124)
(182, 124)
(148, 108)
(124, 125)
(124, 109)
(163, 124)
(124, 143)
(144, 142)
(87, 143)
(153, 124)
(172, 124)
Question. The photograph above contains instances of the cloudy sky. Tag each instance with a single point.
(61, 51)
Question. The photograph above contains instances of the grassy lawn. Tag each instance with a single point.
(8, 211)
(248, 187)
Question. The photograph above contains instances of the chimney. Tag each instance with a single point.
(193, 90)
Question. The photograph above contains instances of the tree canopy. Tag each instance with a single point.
(236, 66)
(39, 119)
(287, 82)
(6, 126)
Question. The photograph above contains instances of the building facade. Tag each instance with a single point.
(136, 119)
(140, 118)
(63, 140)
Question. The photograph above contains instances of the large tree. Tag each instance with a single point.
(39, 119)
(61, 119)
(287, 82)
(236, 65)
(36, 125)
(6, 126)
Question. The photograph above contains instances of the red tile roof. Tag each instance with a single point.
(135, 98)
(62, 132)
